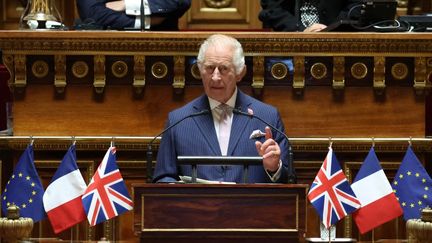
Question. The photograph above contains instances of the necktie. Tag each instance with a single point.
(309, 13)
(224, 128)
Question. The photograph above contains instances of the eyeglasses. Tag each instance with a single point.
(222, 68)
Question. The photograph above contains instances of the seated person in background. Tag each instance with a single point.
(311, 15)
(125, 14)
(221, 132)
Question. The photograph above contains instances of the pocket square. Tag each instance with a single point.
(256, 134)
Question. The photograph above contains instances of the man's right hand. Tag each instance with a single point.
(315, 28)
(116, 5)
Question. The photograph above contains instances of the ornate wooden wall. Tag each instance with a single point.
(203, 14)
(105, 84)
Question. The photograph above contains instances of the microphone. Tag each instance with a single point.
(142, 15)
(292, 178)
(149, 147)
(297, 13)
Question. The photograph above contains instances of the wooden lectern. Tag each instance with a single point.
(220, 212)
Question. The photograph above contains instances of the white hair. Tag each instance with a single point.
(225, 41)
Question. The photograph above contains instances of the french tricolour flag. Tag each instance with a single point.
(378, 202)
(62, 198)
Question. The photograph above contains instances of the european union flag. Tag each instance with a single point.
(413, 186)
(24, 188)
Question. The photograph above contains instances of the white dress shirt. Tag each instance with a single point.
(231, 103)
(133, 8)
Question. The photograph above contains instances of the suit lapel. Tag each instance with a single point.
(239, 123)
(206, 125)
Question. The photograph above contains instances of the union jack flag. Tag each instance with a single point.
(331, 194)
(106, 196)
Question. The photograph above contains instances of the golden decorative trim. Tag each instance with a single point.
(60, 73)
(299, 74)
(159, 70)
(316, 144)
(359, 70)
(338, 72)
(40, 69)
(219, 230)
(8, 61)
(139, 74)
(279, 70)
(258, 73)
(18, 44)
(420, 77)
(399, 71)
(20, 73)
(80, 69)
(218, 3)
(195, 71)
(318, 70)
(99, 73)
(379, 74)
(179, 77)
(119, 69)
(270, 44)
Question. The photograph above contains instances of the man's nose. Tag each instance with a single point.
(216, 74)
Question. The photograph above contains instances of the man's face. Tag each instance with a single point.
(218, 74)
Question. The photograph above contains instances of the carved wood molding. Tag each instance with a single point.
(401, 57)
(301, 145)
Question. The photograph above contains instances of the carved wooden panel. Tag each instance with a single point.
(222, 14)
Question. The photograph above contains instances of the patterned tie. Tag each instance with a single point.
(224, 127)
(309, 13)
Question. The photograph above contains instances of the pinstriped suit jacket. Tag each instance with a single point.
(196, 136)
(96, 10)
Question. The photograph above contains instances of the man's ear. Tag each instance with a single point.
(241, 74)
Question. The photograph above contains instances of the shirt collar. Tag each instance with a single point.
(231, 102)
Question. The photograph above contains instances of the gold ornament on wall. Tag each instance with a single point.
(195, 71)
(279, 70)
(40, 69)
(14, 228)
(41, 14)
(218, 3)
(359, 70)
(159, 70)
(80, 69)
(319, 70)
(399, 71)
(119, 69)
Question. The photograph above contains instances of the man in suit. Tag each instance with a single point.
(221, 64)
(125, 14)
(306, 15)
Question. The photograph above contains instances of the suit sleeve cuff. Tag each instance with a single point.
(274, 176)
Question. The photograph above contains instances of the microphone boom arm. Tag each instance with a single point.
(149, 146)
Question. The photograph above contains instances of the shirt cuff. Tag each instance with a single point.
(275, 175)
(137, 24)
(133, 7)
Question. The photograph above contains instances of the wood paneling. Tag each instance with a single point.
(390, 100)
(222, 15)
(316, 114)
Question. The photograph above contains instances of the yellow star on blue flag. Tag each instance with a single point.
(412, 186)
(24, 189)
